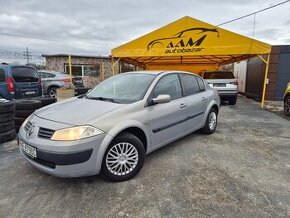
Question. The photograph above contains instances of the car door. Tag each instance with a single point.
(167, 120)
(196, 98)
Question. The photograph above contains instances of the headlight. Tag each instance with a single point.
(75, 133)
(26, 121)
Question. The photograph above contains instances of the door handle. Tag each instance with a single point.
(182, 105)
(204, 99)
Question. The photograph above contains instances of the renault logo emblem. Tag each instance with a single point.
(30, 131)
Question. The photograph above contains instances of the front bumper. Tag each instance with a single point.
(63, 159)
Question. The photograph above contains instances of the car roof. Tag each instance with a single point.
(50, 71)
(4, 65)
(158, 72)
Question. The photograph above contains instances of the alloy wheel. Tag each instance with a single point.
(122, 159)
(212, 120)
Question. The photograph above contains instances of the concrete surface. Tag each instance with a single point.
(276, 107)
(243, 170)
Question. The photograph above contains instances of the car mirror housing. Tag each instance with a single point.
(161, 99)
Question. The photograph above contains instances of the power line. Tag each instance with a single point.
(256, 12)
(39, 38)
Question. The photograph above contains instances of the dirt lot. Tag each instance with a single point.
(243, 170)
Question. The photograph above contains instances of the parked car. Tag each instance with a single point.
(51, 81)
(18, 82)
(287, 100)
(112, 127)
(225, 83)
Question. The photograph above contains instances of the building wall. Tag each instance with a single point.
(57, 63)
(240, 72)
(278, 76)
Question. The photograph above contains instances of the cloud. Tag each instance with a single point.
(94, 27)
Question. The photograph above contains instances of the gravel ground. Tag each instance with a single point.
(243, 170)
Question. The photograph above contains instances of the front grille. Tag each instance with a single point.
(27, 126)
(45, 133)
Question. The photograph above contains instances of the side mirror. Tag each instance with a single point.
(161, 99)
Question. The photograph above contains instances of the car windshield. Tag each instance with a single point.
(123, 88)
(218, 75)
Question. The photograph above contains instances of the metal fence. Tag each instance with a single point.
(24, 58)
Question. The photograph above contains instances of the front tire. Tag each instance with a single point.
(287, 106)
(211, 122)
(124, 158)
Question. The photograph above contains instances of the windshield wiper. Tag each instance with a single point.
(102, 99)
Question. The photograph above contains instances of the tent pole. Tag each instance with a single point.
(265, 79)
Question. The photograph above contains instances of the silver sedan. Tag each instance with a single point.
(111, 129)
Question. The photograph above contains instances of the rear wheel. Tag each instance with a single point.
(287, 106)
(52, 91)
(233, 100)
(211, 122)
(124, 158)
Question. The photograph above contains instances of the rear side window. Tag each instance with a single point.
(189, 84)
(50, 75)
(218, 75)
(200, 83)
(2, 75)
(168, 85)
(24, 74)
(47, 75)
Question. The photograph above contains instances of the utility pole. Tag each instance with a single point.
(27, 55)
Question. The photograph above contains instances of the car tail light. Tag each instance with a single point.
(66, 80)
(10, 85)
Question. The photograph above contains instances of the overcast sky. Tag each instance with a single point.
(94, 27)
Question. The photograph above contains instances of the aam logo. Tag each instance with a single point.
(189, 40)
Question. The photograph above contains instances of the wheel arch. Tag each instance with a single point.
(133, 127)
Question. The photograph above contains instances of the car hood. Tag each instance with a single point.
(77, 111)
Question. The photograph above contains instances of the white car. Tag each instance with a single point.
(225, 83)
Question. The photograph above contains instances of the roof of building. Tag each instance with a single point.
(76, 56)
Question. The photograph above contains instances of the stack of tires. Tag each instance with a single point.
(24, 108)
(7, 131)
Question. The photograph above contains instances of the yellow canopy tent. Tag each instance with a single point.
(191, 45)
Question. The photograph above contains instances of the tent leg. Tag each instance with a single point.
(265, 79)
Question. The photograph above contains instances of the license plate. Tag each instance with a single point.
(219, 85)
(30, 92)
(31, 151)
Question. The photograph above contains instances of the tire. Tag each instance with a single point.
(46, 100)
(5, 127)
(82, 91)
(18, 121)
(23, 113)
(51, 91)
(27, 104)
(287, 105)
(6, 117)
(134, 145)
(7, 136)
(6, 107)
(208, 128)
(233, 100)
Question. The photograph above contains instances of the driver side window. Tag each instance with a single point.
(168, 85)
